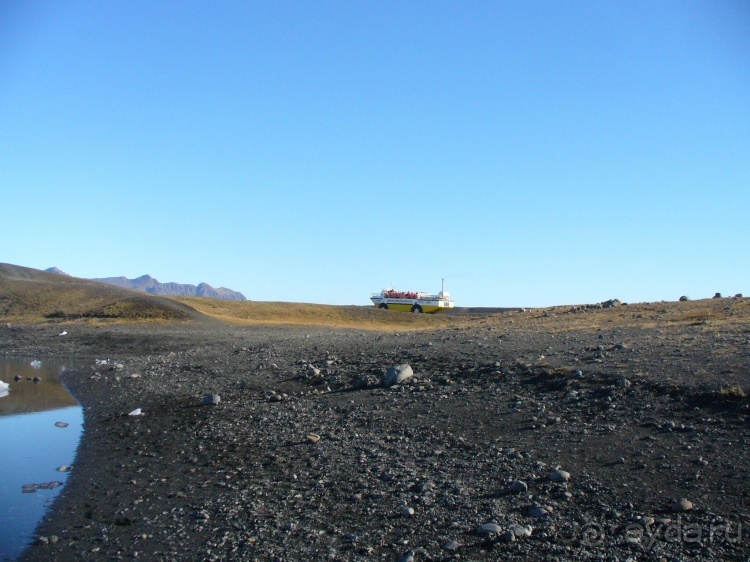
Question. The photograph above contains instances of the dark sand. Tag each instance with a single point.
(656, 415)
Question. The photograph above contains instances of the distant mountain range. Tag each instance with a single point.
(148, 284)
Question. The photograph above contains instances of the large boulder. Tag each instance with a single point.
(398, 374)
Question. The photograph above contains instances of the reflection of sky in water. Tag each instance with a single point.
(32, 448)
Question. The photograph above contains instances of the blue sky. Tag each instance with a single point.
(530, 153)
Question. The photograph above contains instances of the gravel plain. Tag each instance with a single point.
(283, 443)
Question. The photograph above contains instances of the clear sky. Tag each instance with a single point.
(529, 152)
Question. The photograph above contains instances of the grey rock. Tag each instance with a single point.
(538, 512)
(489, 529)
(682, 505)
(520, 531)
(211, 399)
(518, 487)
(398, 374)
(451, 545)
(560, 476)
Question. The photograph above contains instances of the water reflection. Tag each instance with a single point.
(40, 425)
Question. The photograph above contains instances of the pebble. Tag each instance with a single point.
(136, 412)
(560, 476)
(61, 424)
(521, 531)
(681, 505)
(518, 486)
(313, 437)
(211, 399)
(407, 511)
(451, 545)
(489, 529)
(539, 512)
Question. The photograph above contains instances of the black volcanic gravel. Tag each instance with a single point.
(638, 418)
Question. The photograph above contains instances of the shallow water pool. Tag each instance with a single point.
(40, 428)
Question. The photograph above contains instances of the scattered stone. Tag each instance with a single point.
(682, 505)
(211, 399)
(365, 381)
(539, 512)
(451, 545)
(407, 512)
(398, 374)
(53, 539)
(624, 383)
(64, 468)
(313, 437)
(31, 488)
(560, 476)
(61, 424)
(520, 531)
(489, 529)
(717, 296)
(684, 298)
(136, 412)
(518, 487)
(44, 541)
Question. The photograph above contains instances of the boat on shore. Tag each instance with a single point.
(408, 301)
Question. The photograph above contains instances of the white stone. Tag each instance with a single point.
(398, 374)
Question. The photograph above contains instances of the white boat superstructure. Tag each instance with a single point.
(407, 301)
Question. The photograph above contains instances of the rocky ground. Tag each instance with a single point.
(580, 444)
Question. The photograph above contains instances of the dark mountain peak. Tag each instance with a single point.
(148, 284)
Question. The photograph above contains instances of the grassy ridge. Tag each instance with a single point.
(30, 295)
(367, 317)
